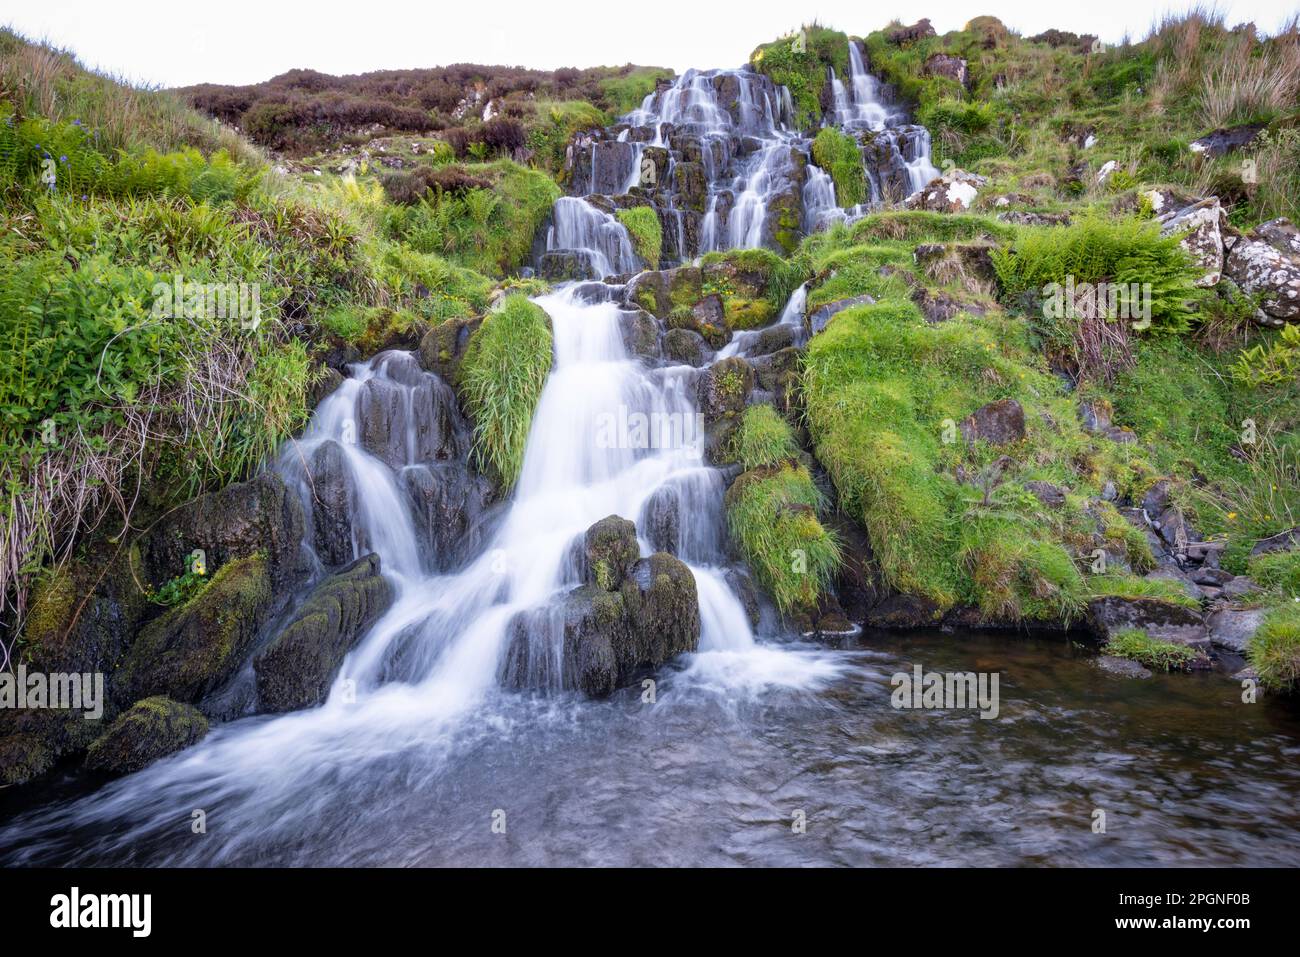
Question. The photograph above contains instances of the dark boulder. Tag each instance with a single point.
(1162, 620)
(257, 517)
(149, 730)
(333, 503)
(640, 333)
(1223, 141)
(724, 387)
(296, 669)
(685, 346)
(193, 649)
(998, 423)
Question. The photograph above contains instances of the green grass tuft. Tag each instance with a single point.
(1136, 645)
(642, 224)
(772, 514)
(501, 379)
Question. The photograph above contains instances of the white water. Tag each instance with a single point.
(600, 241)
(424, 680)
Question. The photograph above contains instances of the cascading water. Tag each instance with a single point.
(409, 695)
(718, 156)
(382, 466)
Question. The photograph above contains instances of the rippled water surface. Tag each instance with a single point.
(714, 772)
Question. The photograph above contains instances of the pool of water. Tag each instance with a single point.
(721, 766)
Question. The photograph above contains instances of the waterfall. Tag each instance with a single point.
(738, 173)
(594, 242)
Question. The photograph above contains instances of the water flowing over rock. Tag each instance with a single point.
(717, 155)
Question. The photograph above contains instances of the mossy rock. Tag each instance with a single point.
(296, 669)
(663, 612)
(83, 616)
(686, 346)
(610, 547)
(741, 272)
(149, 730)
(748, 313)
(23, 758)
(707, 317)
(193, 649)
(257, 517)
(724, 387)
(661, 292)
(444, 346)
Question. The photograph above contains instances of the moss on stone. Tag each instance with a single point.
(192, 649)
(748, 313)
(147, 731)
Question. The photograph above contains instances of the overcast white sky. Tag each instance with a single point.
(244, 41)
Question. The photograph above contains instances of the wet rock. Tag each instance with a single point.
(661, 520)
(194, 648)
(1163, 620)
(1232, 628)
(640, 334)
(817, 321)
(297, 668)
(1200, 226)
(663, 610)
(774, 339)
(691, 186)
(259, 516)
(685, 346)
(438, 431)
(149, 730)
(447, 502)
(610, 547)
(742, 586)
(383, 422)
(1122, 667)
(564, 265)
(333, 498)
(321, 389)
(998, 423)
(612, 636)
(724, 387)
